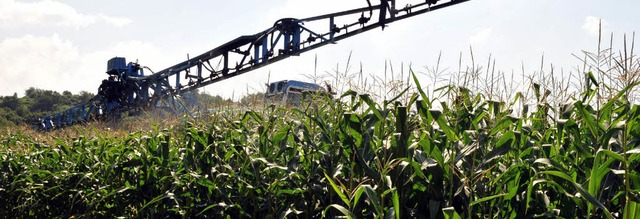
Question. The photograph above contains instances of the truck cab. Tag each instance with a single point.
(289, 92)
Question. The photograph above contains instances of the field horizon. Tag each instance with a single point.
(461, 144)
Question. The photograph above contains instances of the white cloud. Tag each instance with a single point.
(34, 61)
(592, 25)
(53, 63)
(115, 21)
(309, 8)
(147, 54)
(51, 13)
(480, 37)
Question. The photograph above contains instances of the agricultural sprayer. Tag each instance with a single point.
(129, 89)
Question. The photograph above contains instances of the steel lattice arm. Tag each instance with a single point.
(286, 38)
(128, 88)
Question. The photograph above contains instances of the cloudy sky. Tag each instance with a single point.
(65, 44)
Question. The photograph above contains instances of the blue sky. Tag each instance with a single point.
(65, 44)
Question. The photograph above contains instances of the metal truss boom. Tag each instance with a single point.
(129, 89)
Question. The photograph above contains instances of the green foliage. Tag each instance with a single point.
(36, 103)
(16, 110)
(350, 157)
(205, 99)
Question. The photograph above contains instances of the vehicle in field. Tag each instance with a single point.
(129, 89)
(289, 92)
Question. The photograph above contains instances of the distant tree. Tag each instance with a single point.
(43, 100)
(37, 103)
(23, 111)
(10, 102)
(32, 92)
(3, 121)
(205, 99)
(84, 96)
(67, 98)
(252, 98)
(9, 117)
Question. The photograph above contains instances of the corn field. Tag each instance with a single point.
(347, 157)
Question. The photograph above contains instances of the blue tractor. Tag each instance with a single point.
(128, 89)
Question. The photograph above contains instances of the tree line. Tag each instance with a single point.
(37, 103)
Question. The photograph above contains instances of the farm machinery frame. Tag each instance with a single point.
(128, 88)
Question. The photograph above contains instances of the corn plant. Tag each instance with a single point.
(463, 156)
